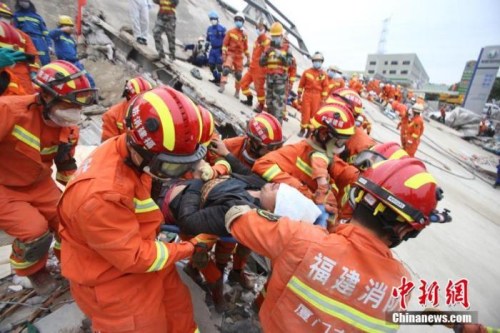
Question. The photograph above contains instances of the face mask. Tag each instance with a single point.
(332, 147)
(331, 74)
(317, 64)
(65, 117)
(238, 24)
(214, 22)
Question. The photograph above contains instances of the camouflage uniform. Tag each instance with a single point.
(165, 22)
(276, 62)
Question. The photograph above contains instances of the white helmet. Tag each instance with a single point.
(240, 15)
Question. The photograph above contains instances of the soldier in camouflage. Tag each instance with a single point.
(165, 22)
(276, 59)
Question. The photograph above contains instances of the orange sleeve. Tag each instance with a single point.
(325, 87)
(225, 42)
(31, 49)
(302, 82)
(110, 228)
(319, 164)
(7, 121)
(268, 238)
(109, 126)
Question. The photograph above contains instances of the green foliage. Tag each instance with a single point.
(495, 91)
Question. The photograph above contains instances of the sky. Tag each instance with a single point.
(445, 34)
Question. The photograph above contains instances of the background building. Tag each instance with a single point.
(404, 69)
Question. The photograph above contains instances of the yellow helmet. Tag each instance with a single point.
(276, 29)
(65, 20)
(5, 10)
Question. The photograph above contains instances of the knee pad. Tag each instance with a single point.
(32, 250)
(238, 76)
(226, 71)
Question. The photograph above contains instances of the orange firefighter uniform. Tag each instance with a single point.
(113, 120)
(14, 86)
(28, 194)
(256, 73)
(356, 85)
(343, 174)
(234, 46)
(23, 70)
(109, 224)
(413, 133)
(313, 88)
(334, 84)
(402, 111)
(365, 123)
(341, 280)
(355, 144)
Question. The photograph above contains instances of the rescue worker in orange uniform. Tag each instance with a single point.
(234, 46)
(343, 279)
(277, 60)
(304, 165)
(37, 131)
(402, 111)
(255, 73)
(9, 84)
(415, 130)
(334, 80)
(20, 41)
(113, 119)
(356, 84)
(109, 222)
(313, 89)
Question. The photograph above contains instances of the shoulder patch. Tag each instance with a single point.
(268, 215)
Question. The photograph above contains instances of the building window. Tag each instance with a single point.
(406, 62)
(373, 62)
(394, 62)
(386, 62)
(384, 71)
(404, 72)
(392, 72)
(371, 72)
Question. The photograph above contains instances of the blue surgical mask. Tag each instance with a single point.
(317, 64)
(331, 74)
(238, 24)
(214, 22)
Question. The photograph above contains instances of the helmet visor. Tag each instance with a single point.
(84, 97)
(367, 158)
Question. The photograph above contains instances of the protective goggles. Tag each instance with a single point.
(367, 158)
(83, 97)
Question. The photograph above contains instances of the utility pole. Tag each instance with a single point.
(383, 35)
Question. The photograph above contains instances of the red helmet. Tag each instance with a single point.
(352, 98)
(65, 82)
(207, 126)
(404, 187)
(265, 130)
(10, 38)
(379, 153)
(164, 127)
(135, 86)
(5, 10)
(336, 118)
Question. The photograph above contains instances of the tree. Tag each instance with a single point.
(495, 91)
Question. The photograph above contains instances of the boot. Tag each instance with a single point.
(302, 132)
(217, 293)
(222, 86)
(239, 276)
(249, 100)
(215, 81)
(43, 282)
(259, 108)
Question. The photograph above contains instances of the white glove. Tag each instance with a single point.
(207, 173)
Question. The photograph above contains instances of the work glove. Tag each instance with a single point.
(321, 193)
(9, 57)
(233, 213)
(202, 245)
(207, 172)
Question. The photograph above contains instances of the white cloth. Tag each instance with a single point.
(294, 205)
(139, 13)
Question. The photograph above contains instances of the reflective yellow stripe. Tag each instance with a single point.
(165, 118)
(66, 39)
(13, 85)
(324, 93)
(398, 154)
(28, 138)
(28, 18)
(161, 257)
(492, 330)
(49, 150)
(62, 177)
(22, 265)
(197, 330)
(224, 163)
(321, 155)
(339, 310)
(415, 136)
(119, 125)
(418, 180)
(144, 206)
(271, 172)
(58, 68)
(335, 188)
(303, 166)
(309, 76)
(57, 245)
(267, 125)
(9, 46)
(234, 36)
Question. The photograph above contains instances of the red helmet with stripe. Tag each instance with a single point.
(63, 81)
(136, 86)
(10, 38)
(352, 98)
(400, 191)
(337, 119)
(378, 153)
(266, 130)
(164, 127)
(207, 126)
(5, 10)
